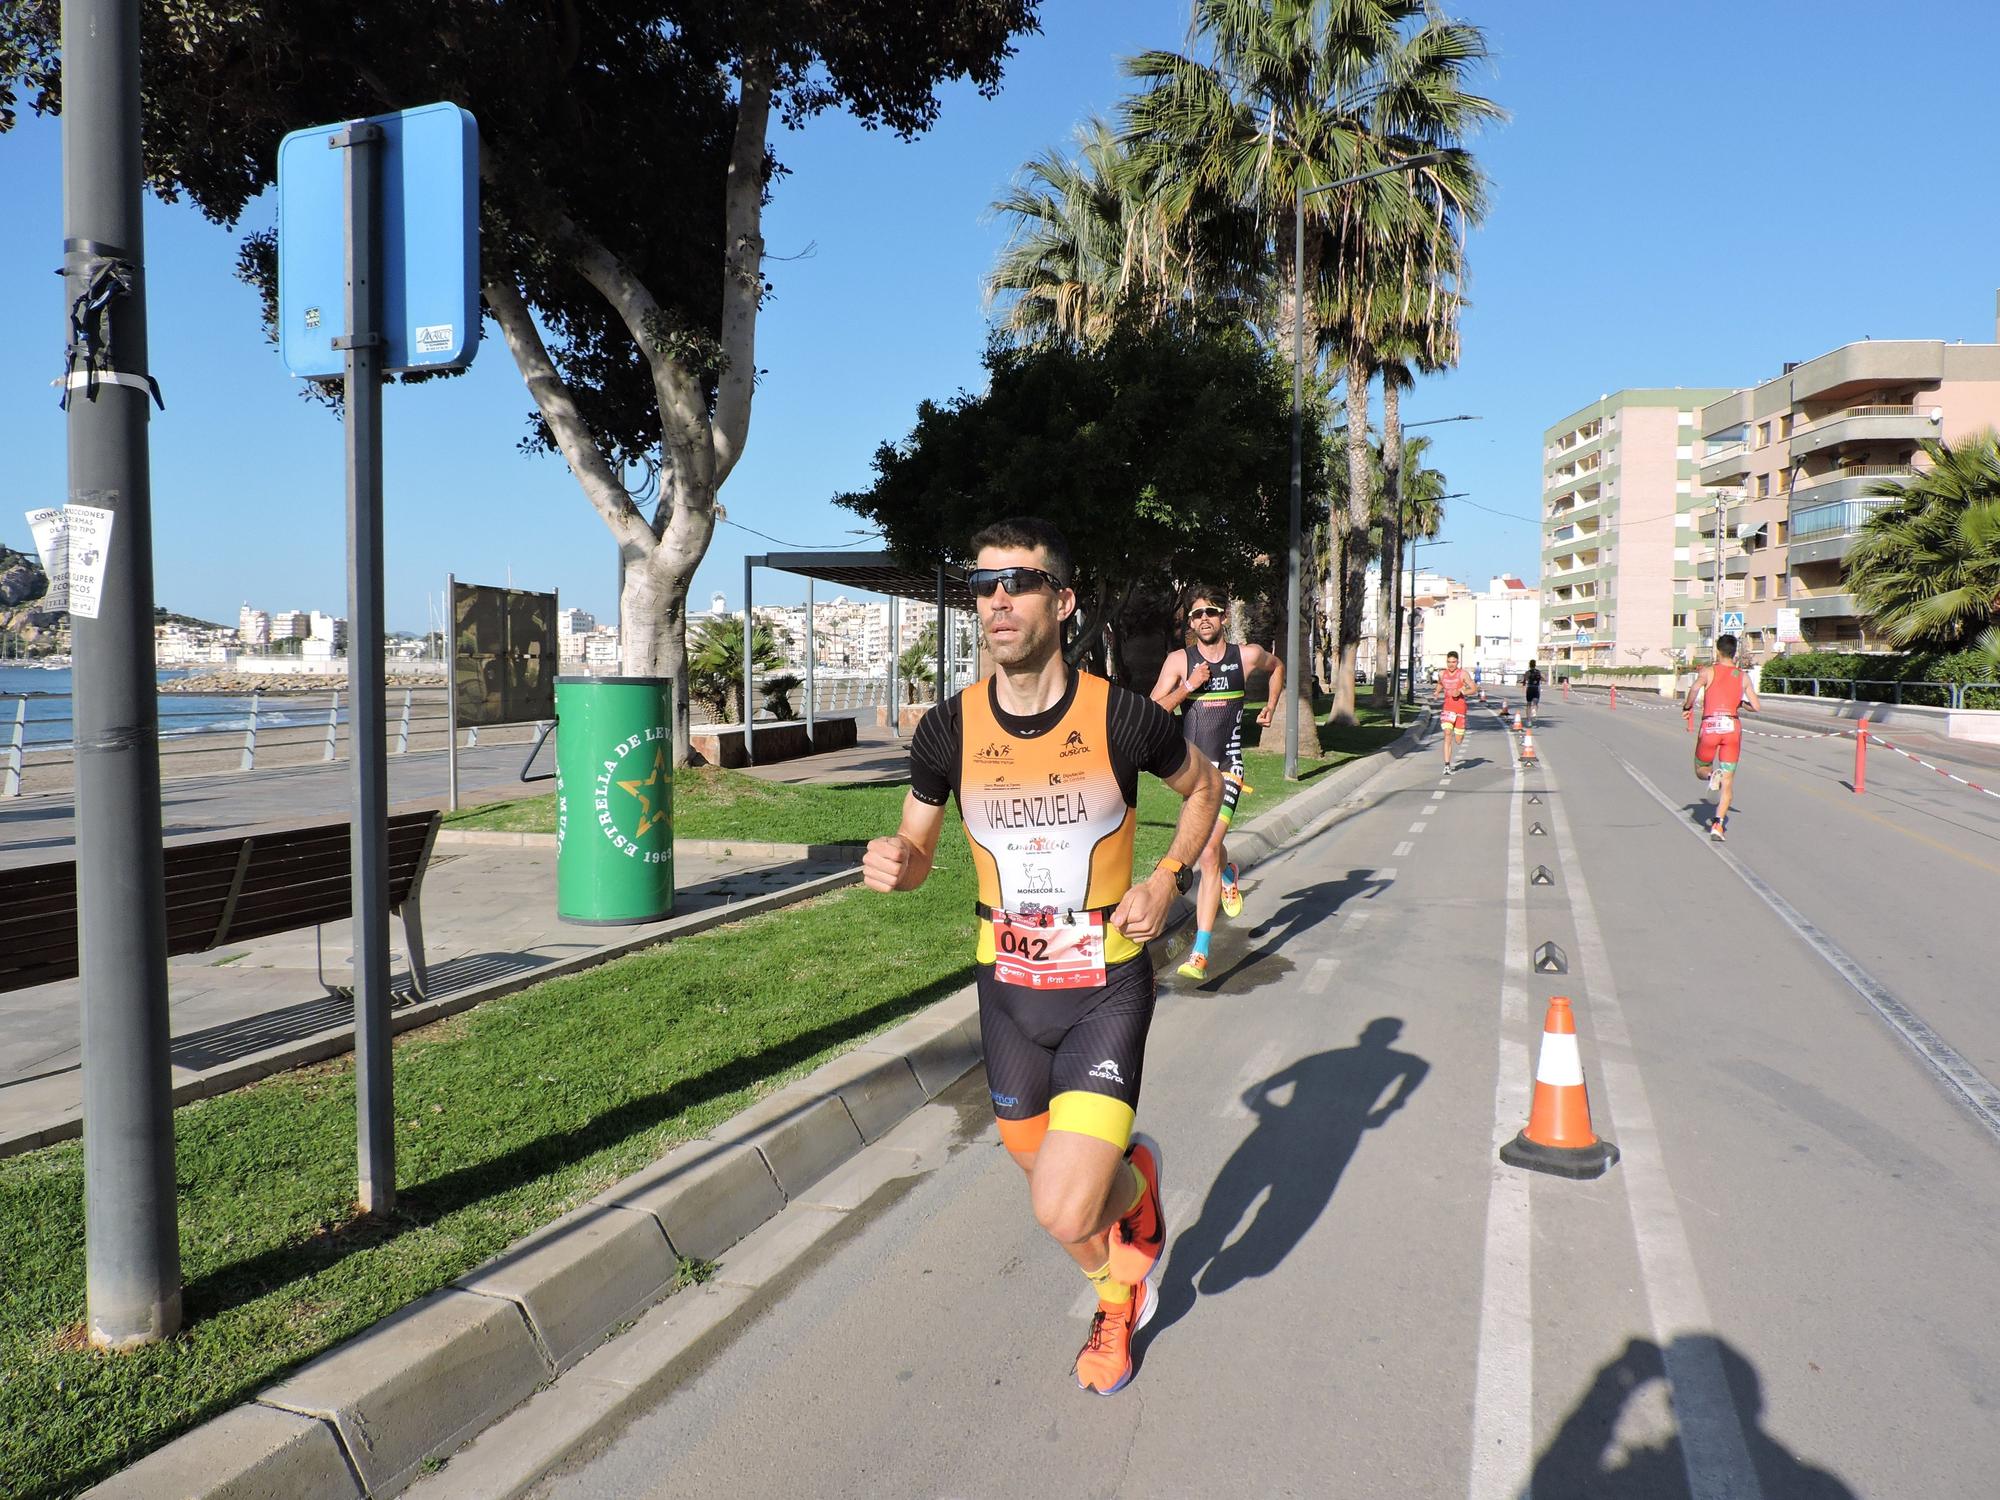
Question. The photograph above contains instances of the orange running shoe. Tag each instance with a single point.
(1139, 1237)
(1104, 1364)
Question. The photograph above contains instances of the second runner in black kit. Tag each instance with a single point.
(1044, 763)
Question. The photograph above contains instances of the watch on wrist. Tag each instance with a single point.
(1182, 875)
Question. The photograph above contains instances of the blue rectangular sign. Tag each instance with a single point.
(1732, 620)
(429, 220)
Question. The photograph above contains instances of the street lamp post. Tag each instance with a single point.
(1396, 610)
(1414, 544)
(1294, 663)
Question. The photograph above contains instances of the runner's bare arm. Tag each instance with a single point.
(1257, 659)
(1695, 687)
(1142, 915)
(902, 861)
(1167, 691)
(1750, 697)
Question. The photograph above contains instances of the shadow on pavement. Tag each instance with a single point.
(1588, 1459)
(1295, 1155)
(1303, 909)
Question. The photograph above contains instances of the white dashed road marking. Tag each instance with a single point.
(1419, 826)
(1404, 848)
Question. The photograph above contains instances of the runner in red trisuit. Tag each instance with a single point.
(1722, 689)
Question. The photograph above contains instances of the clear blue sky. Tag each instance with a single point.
(1687, 195)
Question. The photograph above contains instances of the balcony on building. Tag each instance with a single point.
(1722, 465)
(1850, 482)
(1822, 531)
(1828, 603)
(1878, 423)
(1737, 566)
(1853, 371)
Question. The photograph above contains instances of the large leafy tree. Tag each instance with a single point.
(625, 166)
(1163, 452)
(1293, 94)
(1927, 566)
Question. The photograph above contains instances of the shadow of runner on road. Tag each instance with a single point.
(1303, 909)
(1590, 1458)
(1292, 1161)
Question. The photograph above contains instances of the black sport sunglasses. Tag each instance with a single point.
(1016, 581)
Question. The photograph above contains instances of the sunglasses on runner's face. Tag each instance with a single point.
(1206, 612)
(1016, 581)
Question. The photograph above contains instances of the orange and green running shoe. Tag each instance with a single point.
(1196, 967)
(1232, 893)
(1104, 1364)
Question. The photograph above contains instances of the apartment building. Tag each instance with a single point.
(1790, 463)
(1619, 492)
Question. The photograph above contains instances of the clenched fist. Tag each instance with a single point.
(888, 863)
(1198, 678)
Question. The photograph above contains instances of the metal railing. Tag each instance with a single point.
(294, 729)
(1807, 482)
(1881, 690)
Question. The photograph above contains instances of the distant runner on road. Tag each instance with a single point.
(1723, 689)
(1205, 681)
(1533, 683)
(1044, 761)
(1451, 686)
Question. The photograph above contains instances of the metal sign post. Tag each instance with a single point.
(448, 643)
(403, 188)
(361, 143)
(131, 1240)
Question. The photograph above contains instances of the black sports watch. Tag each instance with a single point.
(1183, 876)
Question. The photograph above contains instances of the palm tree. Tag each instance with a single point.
(1295, 94)
(1422, 516)
(1927, 567)
(715, 665)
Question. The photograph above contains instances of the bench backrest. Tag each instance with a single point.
(218, 891)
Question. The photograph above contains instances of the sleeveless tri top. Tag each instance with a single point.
(1050, 829)
(1212, 716)
(1725, 693)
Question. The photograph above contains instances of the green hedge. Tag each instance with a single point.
(1890, 677)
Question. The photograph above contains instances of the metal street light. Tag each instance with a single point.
(1294, 662)
(1411, 576)
(1396, 510)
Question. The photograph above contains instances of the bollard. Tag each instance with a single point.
(1861, 756)
(403, 729)
(332, 724)
(13, 788)
(1614, 697)
(250, 732)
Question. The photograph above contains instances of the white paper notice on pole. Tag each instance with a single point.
(1788, 625)
(89, 550)
(52, 542)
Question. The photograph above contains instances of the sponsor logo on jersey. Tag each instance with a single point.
(994, 753)
(1074, 745)
(1108, 1071)
(1058, 778)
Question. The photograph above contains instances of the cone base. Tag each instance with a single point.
(1579, 1162)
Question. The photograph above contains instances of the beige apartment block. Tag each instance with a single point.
(1788, 465)
(1618, 492)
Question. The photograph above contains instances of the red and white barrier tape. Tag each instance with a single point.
(1876, 739)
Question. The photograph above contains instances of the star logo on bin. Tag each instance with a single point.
(652, 794)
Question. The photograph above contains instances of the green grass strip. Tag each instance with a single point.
(507, 1116)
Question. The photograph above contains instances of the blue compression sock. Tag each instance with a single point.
(1201, 943)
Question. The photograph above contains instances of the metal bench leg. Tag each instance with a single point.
(412, 914)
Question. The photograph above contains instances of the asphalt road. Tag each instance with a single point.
(1786, 1288)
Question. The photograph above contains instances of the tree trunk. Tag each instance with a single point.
(1353, 522)
(1392, 537)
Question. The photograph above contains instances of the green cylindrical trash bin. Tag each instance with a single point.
(614, 800)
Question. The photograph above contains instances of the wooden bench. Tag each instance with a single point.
(221, 891)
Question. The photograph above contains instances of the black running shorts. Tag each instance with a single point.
(1066, 1059)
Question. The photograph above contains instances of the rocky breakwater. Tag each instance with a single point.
(272, 685)
(22, 583)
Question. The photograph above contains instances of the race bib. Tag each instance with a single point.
(1044, 952)
(1718, 724)
(1448, 717)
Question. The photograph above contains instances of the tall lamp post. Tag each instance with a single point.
(1416, 542)
(1294, 661)
(1396, 611)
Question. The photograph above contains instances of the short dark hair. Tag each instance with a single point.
(1029, 531)
(1209, 592)
(1725, 645)
(1451, 656)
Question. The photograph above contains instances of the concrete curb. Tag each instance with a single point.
(253, 1066)
(409, 1391)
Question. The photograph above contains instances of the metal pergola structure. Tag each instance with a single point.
(861, 572)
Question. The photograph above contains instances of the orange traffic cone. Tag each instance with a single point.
(1559, 1139)
(1517, 721)
(1527, 744)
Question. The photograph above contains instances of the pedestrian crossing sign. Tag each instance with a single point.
(1732, 621)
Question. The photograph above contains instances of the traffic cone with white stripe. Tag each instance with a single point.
(1517, 721)
(1559, 1139)
(1528, 745)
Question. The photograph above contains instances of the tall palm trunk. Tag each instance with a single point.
(1298, 329)
(1392, 537)
(1353, 524)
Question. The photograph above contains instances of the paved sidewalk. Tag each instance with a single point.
(879, 756)
(489, 917)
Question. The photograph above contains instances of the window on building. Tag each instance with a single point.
(1763, 485)
(1763, 434)
(1784, 585)
(1783, 529)
(1758, 585)
(1784, 426)
(1680, 622)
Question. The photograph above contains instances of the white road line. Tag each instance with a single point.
(1321, 975)
(1966, 1083)
(1261, 1065)
(1387, 872)
(1403, 848)
(1713, 1448)
(1419, 826)
(1360, 914)
(1503, 1409)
